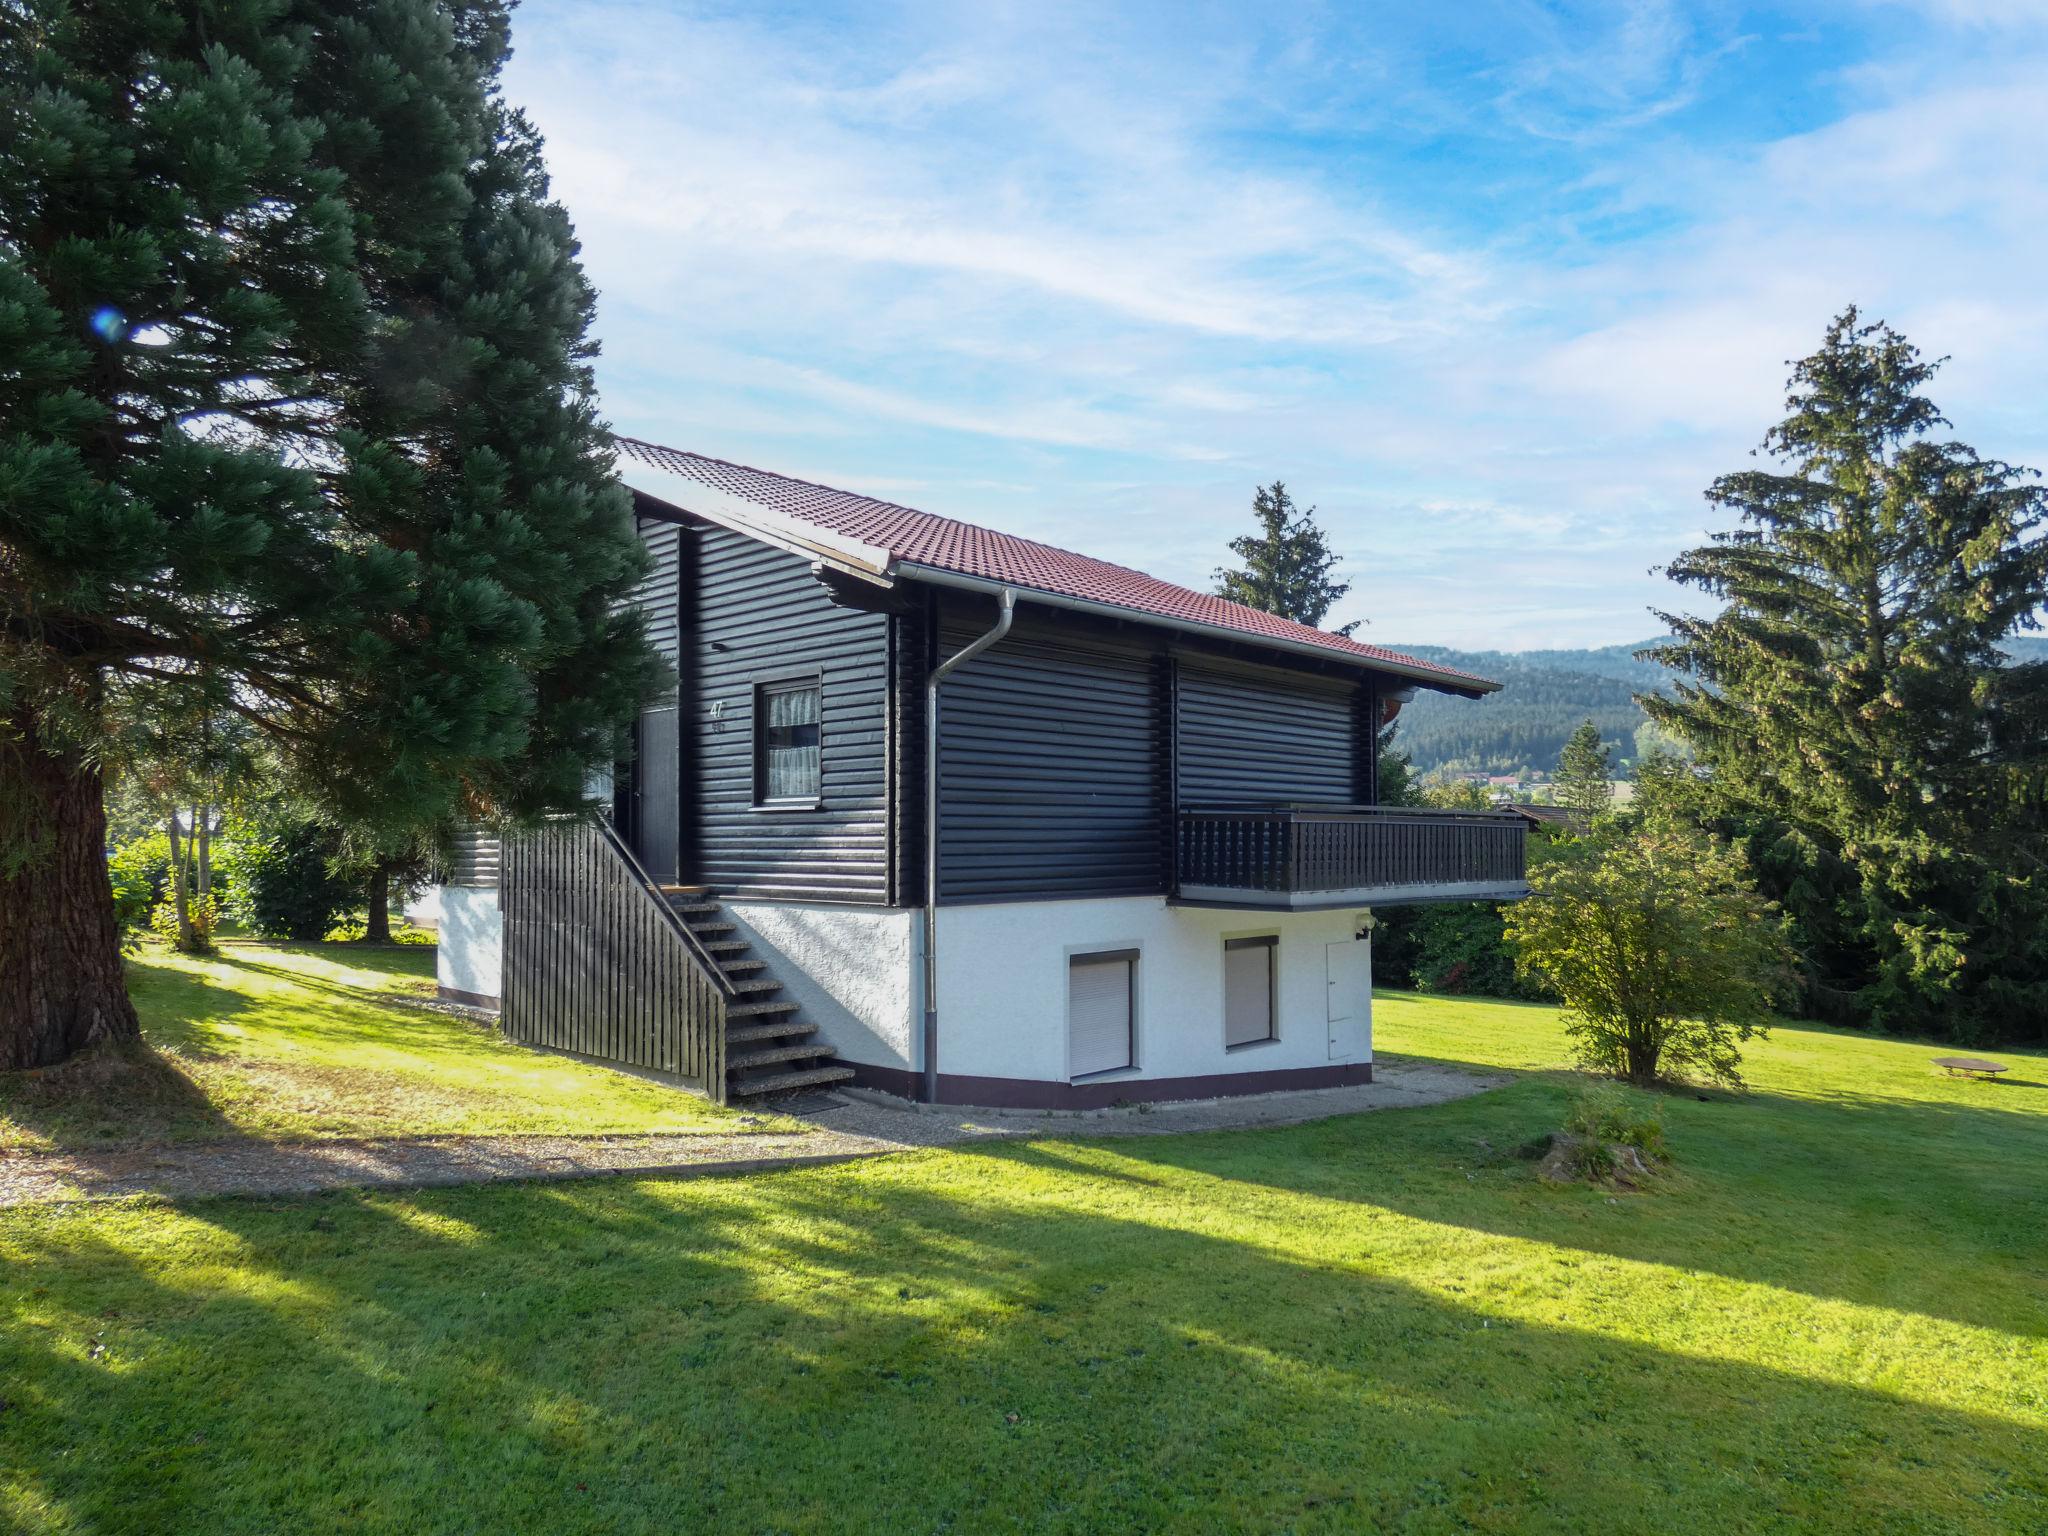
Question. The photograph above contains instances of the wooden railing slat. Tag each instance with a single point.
(1362, 848)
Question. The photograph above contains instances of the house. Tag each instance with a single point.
(967, 818)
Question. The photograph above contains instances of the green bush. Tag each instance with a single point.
(202, 912)
(288, 885)
(1457, 948)
(1608, 1112)
(141, 874)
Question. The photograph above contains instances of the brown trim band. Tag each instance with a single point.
(1033, 1093)
(467, 999)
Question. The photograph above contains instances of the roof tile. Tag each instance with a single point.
(943, 543)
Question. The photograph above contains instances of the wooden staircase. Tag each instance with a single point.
(769, 1047)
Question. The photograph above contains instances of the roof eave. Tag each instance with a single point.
(695, 499)
(1470, 687)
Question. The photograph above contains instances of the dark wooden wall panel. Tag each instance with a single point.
(758, 616)
(1051, 770)
(1253, 737)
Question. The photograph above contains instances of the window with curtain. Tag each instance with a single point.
(788, 763)
(1248, 989)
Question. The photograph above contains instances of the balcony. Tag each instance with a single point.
(1305, 857)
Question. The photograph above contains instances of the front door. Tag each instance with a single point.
(657, 794)
(1349, 967)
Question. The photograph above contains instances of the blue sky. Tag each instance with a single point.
(1499, 287)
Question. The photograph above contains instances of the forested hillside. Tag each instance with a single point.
(1546, 694)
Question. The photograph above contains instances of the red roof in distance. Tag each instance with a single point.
(963, 549)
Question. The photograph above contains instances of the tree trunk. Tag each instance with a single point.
(181, 891)
(377, 930)
(204, 837)
(61, 987)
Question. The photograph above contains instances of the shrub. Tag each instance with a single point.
(1664, 954)
(141, 873)
(203, 912)
(1607, 1112)
(1460, 948)
(289, 889)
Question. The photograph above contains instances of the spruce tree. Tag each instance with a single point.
(1287, 563)
(1850, 702)
(1585, 773)
(297, 427)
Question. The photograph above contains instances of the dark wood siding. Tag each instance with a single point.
(759, 616)
(1052, 764)
(911, 641)
(1257, 737)
(656, 595)
(476, 857)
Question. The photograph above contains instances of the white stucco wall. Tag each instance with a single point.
(851, 968)
(424, 910)
(1003, 987)
(470, 948)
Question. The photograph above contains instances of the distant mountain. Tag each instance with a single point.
(1545, 695)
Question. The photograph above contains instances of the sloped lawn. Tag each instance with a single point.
(1832, 1316)
(306, 1042)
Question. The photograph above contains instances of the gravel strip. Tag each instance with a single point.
(849, 1125)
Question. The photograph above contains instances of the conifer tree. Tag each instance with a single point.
(1585, 773)
(1850, 703)
(295, 425)
(1287, 563)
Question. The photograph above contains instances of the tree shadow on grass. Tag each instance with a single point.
(133, 1092)
(357, 996)
(1923, 1206)
(963, 1344)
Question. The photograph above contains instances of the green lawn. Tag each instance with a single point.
(305, 1042)
(1831, 1316)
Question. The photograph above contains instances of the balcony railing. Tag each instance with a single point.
(1303, 856)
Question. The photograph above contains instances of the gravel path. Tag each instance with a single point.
(841, 1126)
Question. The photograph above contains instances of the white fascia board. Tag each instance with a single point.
(697, 499)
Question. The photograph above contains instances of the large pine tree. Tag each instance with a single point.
(1287, 563)
(1851, 704)
(298, 427)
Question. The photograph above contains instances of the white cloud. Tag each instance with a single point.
(1091, 274)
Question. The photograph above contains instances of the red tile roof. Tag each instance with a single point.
(923, 538)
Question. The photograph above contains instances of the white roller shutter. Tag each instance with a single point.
(1099, 990)
(1247, 990)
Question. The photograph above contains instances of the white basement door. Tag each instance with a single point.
(1099, 989)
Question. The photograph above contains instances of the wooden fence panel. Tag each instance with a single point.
(598, 965)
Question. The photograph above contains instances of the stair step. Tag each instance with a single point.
(727, 947)
(675, 892)
(782, 1082)
(781, 1029)
(702, 930)
(752, 985)
(758, 1010)
(692, 908)
(742, 967)
(769, 1056)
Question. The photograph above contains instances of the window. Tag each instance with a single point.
(787, 758)
(1248, 989)
(1101, 1004)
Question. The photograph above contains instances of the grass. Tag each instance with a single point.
(308, 1042)
(1832, 1316)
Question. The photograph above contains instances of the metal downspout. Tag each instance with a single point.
(1008, 600)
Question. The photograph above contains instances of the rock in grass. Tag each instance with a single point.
(1574, 1159)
